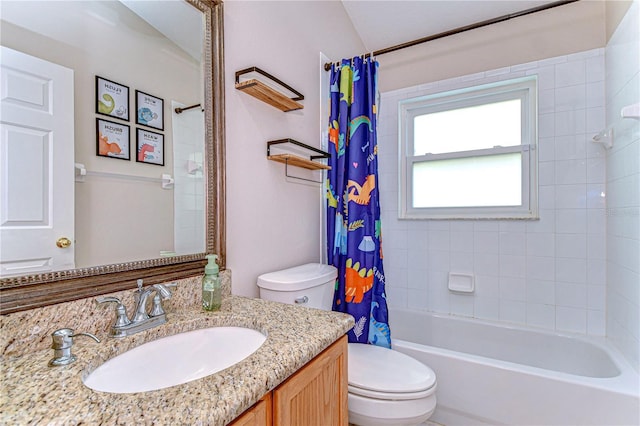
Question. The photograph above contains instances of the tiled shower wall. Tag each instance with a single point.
(623, 185)
(188, 161)
(548, 273)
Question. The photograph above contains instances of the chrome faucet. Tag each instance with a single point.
(143, 318)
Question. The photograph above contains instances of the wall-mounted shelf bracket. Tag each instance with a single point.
(301, 157)
(268, 94)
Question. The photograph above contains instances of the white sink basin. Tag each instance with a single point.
(176, 359)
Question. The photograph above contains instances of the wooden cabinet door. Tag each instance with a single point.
(317, 394)
(258, 415)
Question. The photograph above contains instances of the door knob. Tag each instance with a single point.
(63, 242)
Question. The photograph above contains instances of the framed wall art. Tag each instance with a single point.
(112, 139)
(149, 110)
(150, 147)
(112, 98)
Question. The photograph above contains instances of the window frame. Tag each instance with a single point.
(525, 89)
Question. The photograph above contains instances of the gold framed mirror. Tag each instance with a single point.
(24, 292)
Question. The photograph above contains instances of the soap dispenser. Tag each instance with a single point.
(211, 289)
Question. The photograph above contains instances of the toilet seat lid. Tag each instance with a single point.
(384, 370)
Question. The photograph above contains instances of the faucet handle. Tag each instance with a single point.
(104, 299)
(162, 290)
(157, 308)
(121, 312)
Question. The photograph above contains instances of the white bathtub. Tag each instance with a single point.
(492, 373)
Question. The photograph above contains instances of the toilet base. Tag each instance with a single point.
(376, 412)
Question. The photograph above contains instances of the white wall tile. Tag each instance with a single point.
(438, 293)
(547, 101)
(571, 295)
(486, 242)
(571, 319)
(570, 122)
(570, 97)
(439, 240)
(461, 304)
(571, 245)
(541, 292)
(397, 298)
(571, 196)
(513, 288)
(461, 262)
(596, 246)
(546, 173)
(546, 77)
(438, 260)
(550, 272)
(513, 243)
(596, 171)
(462, 241)
(547, 197)
(571, 221)
(486, 308)
(594, 120)
(513, 266)
(596, 297)
(570, 147)
(540, 244)
(539, 315)
(486, 264)
(395, 276)
(570, 73)
(596, 221)
(571, 270)
(596, 323)
(513, 311)
(541, 268)
(597, 272)
(546, 222)
(595, 69)
(596, 195)
(417, 299)
(595, 94)
(571, 171)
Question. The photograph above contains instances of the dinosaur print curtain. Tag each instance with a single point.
(353, 207)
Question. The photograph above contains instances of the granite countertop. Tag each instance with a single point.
(33, 393)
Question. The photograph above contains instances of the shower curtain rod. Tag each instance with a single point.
(459, 30)
(181, 110)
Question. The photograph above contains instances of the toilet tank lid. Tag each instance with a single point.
(298, 278)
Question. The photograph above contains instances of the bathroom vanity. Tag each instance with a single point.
(315, 394)
(297, 376)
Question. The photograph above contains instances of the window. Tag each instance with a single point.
(470, 153)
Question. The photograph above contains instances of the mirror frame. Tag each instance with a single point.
(33, 291)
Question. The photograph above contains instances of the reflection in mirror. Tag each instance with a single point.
(132, 177)
(118, 217)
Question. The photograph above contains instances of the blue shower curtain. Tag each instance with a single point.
(353, 206)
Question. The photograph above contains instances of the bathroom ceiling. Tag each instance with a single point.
(382, 24)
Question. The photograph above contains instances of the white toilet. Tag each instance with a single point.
(386, 387)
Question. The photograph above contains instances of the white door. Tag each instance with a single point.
(36, 165)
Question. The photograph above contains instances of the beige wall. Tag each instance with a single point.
(116, 220)
(271, 222)
(571, 28)
(615, 11)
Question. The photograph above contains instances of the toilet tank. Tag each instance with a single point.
(306, 285)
